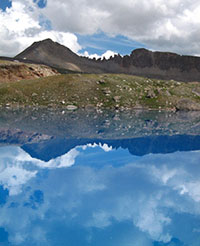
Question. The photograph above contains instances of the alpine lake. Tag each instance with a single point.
(99, 178)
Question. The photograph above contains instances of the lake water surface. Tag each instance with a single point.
(99, 178)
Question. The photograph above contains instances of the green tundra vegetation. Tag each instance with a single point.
(101, 91)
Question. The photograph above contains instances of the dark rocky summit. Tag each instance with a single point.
(56, 55)
(142, 62)
(164, 65)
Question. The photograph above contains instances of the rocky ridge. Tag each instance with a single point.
(142, 62)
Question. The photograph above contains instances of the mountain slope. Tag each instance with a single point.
(56, 55)
(142, 62)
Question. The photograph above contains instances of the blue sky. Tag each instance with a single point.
(97, 43)
(5, 4)
(41, 3)
(95, 27)
(100, 42)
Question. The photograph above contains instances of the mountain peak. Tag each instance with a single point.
(142, 62)
(49, 53)
(47, 40)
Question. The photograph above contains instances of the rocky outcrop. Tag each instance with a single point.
(187, 104)
(163, 65)
(14, 71)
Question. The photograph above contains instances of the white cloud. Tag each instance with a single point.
(100, 219)
(13, 172)
(190, 188)
(104, 146)
(159, 24)
(12, 178)
(106, 55)
(20, 27)
(150, 220)
(65, 160)
(99, 197)
(164, 174)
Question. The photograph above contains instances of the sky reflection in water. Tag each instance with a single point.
(96, 195)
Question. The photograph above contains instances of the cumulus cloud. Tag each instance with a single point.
(65, 160)
(159, 24)
(106, 55)
(12, 178)
(23, 23)
(104, 146)
(13, 172)
(135, 196)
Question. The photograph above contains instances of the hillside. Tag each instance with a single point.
(56, 55)
(142, 62)
(105, 91)
(11, 71)
(89, 87)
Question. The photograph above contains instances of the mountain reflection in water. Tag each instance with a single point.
(141, 187)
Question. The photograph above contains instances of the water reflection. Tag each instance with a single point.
(55, 147)
(97, 192)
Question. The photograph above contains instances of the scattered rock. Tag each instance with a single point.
(89, 107)
(116, 118)
(167, 93)
(196, 92)
(117, 98)
(71, 107)
(106, 91)
(101, 82)
(100, 104)
(34, 94)
(138, 106)
(150, 94)
(187, 104)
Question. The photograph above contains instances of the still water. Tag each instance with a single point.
(112, 179)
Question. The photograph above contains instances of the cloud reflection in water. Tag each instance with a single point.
(150, 200)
